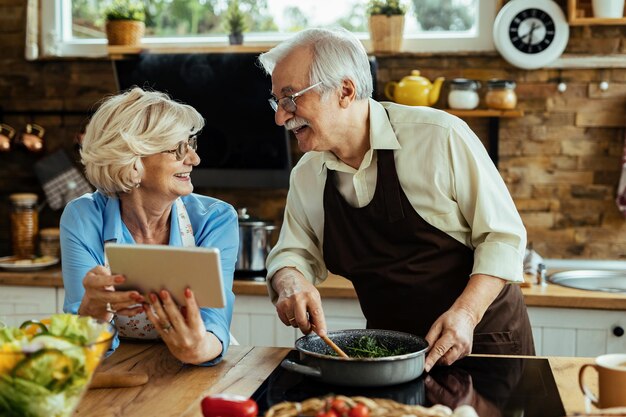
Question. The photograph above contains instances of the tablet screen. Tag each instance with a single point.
(151, 268)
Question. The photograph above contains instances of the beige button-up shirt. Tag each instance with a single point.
(445, 173)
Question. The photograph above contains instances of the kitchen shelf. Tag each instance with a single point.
(493, 132)
(579, 13)
(121, 51)
(487, 113)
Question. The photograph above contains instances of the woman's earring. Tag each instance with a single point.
(6, 136)
(137, 184)
(32, 138)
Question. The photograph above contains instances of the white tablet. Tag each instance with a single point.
(151, 268)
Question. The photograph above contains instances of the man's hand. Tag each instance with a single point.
(450, 338)
(299, 303)
(451, 335)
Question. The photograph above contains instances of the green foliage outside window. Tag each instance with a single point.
(176, 18)
(448, 15)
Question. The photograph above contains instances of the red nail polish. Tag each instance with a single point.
(187, 293)
(119, 279)
(164, 295)
(153, 298)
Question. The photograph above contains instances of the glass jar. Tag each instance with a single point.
(49, 242)
(24, 224)
(501, 95)
(463, 94)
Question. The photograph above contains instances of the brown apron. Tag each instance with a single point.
(406, 272)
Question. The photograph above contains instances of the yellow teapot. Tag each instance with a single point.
(414, 90)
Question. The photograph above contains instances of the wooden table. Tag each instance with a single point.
(176, 390)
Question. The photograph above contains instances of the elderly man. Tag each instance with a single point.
(403, 201)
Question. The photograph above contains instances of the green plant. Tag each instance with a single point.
(385, 7)
(234, 19)
(125, 10)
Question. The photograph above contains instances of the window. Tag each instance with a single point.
(75, 27)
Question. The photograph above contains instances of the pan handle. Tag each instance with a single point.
(302, 369)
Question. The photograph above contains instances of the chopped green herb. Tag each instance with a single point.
(368, 347)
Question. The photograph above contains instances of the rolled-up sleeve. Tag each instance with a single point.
(497, 232)
(298, 245)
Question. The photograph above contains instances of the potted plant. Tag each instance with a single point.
(234, 23)
(386, 25)
(125, 22)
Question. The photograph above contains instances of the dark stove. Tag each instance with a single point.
(258, 276)
(497, 386)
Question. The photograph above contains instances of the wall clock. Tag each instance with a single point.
(530, 33)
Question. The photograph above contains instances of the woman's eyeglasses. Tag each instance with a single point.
(183, 147)
(288, 103)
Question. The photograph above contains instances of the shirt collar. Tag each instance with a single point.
(382, 136)
(114, 232)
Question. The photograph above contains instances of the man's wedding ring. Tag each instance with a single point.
(110, 309)
(291, 320)
(166, 327)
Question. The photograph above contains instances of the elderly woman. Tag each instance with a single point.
(139, 151)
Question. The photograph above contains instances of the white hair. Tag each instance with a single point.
(127, 127)
(337, 55)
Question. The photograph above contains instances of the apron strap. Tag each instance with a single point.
(391, 186)
(184, 224)
(391, 189)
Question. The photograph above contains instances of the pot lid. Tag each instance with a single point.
(465, 84)
(246, 220)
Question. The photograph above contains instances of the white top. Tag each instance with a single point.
(445, 173)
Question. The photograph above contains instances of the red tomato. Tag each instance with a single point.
(329, 413)
(225, 405)
(359, 410)
(339, 406)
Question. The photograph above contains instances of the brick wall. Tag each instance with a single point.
(561, 161)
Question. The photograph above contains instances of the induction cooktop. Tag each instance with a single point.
(495, 386)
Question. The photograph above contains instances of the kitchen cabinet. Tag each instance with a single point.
(256, 323)
(577, 332)
(21, 303)
(580, 13)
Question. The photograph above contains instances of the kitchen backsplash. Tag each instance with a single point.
(561, 161)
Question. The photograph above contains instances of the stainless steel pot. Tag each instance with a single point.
(254, 242)
(317, 360)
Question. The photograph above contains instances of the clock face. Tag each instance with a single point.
(532, 31)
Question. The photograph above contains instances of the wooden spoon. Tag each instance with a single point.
(330, 343)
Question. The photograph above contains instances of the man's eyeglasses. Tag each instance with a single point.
(183, 147)
(288, 103)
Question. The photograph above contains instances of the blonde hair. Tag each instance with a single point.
(127, 127)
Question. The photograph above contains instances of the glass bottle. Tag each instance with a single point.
(24, 224)
(49, 243)
(501, 95)
(463, 94)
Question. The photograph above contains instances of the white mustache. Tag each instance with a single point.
(295, 123)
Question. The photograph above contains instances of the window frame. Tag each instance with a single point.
(56, 37)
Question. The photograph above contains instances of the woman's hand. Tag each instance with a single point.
(183, 332)
(101, 300)
(299, 303)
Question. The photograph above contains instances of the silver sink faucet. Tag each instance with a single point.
(541, 274)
